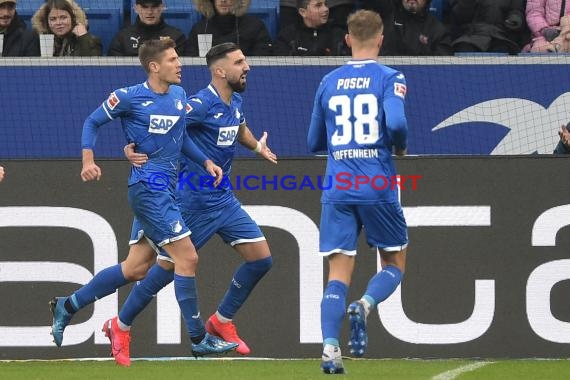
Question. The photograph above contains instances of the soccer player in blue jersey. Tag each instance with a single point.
(216, 123)
(358, 117)
(153, 117)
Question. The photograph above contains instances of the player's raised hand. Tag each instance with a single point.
(265, 152)
(90, 172)
(136, 159)
(215, 171)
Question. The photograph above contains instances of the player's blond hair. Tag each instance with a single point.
(364, 25)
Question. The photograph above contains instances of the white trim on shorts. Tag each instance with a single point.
(396, 248)
(339, 250)
(243, 241)
(140, 235)
(173, 239)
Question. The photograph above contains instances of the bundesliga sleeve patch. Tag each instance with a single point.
(400, 89)
(188, 108)
(112, 101)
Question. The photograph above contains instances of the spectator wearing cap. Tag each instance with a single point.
(67, 22)
(227, 21)
(149, 25)
(18, 41)
(314, 35)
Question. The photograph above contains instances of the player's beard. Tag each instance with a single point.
(237, 85)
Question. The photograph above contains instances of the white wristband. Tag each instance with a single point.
(257, 148)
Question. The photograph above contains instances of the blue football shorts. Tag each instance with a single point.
(384, 225)
(232, 223)
(157, 214)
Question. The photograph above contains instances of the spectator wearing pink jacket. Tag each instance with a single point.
(543, 19)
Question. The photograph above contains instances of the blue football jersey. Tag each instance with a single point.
(155, 123)
(349, 120)
(213, 126)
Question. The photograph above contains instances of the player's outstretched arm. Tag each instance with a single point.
(246, 138)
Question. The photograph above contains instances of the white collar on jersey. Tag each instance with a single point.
(211, 88)
(355, 61)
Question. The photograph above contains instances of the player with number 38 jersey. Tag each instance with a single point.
(358, 115)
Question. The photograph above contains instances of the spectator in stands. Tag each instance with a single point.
(549, 25)
(288, 14)
(489, 25)
(409, 28)
(67, 22)
(18, 41)
(314, 35)
(338, 13)
(1, 173)
(149, 25)
(227, 21)
(563, 146)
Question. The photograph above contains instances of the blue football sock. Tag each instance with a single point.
(104, 283)
(142, 293)
(187, 297)
(245, 278)
(333, 307)
(383, 284)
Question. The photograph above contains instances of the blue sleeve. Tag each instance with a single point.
(192, 151)
(116, 105)
(91, 127)
(317, 135)
(394, 96)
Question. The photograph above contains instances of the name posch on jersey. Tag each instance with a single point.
(355, 153)
(353, 83)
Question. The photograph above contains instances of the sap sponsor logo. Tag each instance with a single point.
(227, 135)
(161, 124)
(112, 101)
(400, 89)
(538, 137)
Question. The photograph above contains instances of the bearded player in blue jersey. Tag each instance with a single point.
(358, 117)
(216, 123)
(153, 117)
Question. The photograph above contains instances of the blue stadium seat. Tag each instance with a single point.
(436, 8)
(268, 12)
(105, 19)
(178, 13)
(26, 10)
(105, 16)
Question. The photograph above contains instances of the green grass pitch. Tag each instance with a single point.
(285, 369)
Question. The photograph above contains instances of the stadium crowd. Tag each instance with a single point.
(306, 27)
